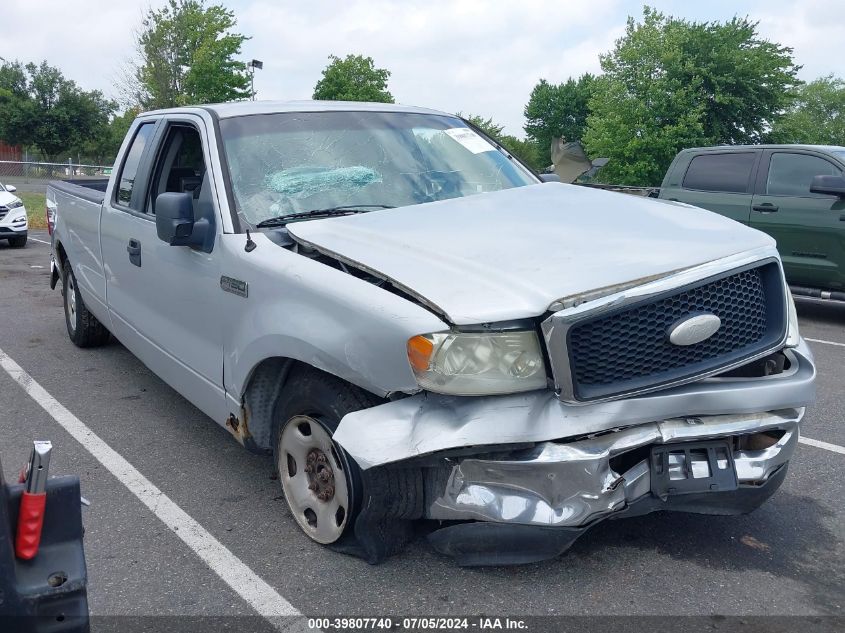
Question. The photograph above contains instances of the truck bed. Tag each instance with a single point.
(91, 189)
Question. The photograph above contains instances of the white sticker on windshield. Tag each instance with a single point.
(469, 139)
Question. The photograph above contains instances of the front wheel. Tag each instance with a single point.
(321, 483)
(83, 328)
(19, 241)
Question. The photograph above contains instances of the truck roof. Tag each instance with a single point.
(733, 148)
(244, 108)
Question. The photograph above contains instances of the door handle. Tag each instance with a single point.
(766, 207)
(134, 250)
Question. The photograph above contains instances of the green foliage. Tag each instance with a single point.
(558, 111)
(491, 129)
(188, 55)
(817, 115)
(102, 146)
(526, 150)
(39, 106)
(354, 78)
(669, 84)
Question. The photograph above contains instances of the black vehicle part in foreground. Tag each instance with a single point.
(47, 593)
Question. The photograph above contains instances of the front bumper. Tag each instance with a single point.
(481, 543)
(573, 484)
(425, 424)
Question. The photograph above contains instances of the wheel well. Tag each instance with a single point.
(260, 397)
(267, 382)
(61, 255)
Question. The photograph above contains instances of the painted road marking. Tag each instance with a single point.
(835, 448)
(35, 239)
(818, 340)
(243, 581)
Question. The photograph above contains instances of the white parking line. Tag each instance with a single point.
(35, 239)
(818, 340)
(835, 448)
(245, 582)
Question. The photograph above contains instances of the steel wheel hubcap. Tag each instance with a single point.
(70, 300)
(313, 479)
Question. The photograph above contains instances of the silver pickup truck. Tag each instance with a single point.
(423, 332)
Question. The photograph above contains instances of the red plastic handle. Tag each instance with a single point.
(30, 522)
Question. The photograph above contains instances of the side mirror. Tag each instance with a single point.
(11, 188)
(175, 218)
(832, 185)
(549, 177)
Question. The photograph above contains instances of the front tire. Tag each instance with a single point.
(19, 241)
(321, 483)
(83, 328)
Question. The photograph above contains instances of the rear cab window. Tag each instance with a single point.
(790, 174)
(729, 172)
(129, 169)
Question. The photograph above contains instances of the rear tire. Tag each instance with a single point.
(83, 328)
(322, 484)
(19, 241)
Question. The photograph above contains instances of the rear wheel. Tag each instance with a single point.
(83, 328)
(19, 241)
(321, 483)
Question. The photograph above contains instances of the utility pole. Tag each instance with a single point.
(253, 65)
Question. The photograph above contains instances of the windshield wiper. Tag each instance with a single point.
(347, 209)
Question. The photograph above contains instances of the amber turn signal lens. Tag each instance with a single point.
(419, 352)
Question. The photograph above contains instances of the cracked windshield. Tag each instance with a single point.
(298, 162)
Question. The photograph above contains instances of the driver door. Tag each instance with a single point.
(164, 299)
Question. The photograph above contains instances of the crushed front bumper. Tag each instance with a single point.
(532, 504)
(573, 484)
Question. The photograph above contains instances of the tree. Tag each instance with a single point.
(525, 150)
(670, 83)
(816, 116)
(354, 78)
(17, 112)
(39, 106)
(555, 111)
(103, 145)
(187, 53)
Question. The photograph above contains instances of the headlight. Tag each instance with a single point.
(15, 204)
(792, 335)
(477, 363)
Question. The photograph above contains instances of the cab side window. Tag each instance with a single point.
(791, 174)
(727, 173)
(129, 170)
(180, 167)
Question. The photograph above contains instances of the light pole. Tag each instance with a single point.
(252, 65)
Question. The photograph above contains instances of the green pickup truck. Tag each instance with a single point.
(795, 193)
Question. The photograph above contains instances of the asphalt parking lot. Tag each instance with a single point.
(786, 558)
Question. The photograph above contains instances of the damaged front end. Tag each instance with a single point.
(517, 479)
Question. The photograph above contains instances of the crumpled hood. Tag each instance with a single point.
(510, 254)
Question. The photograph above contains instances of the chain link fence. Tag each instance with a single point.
(34, 176)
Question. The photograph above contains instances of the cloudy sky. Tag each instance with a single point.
(460, 55)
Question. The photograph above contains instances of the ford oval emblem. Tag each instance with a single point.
(693, 329)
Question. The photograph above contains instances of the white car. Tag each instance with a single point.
(13, 222)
